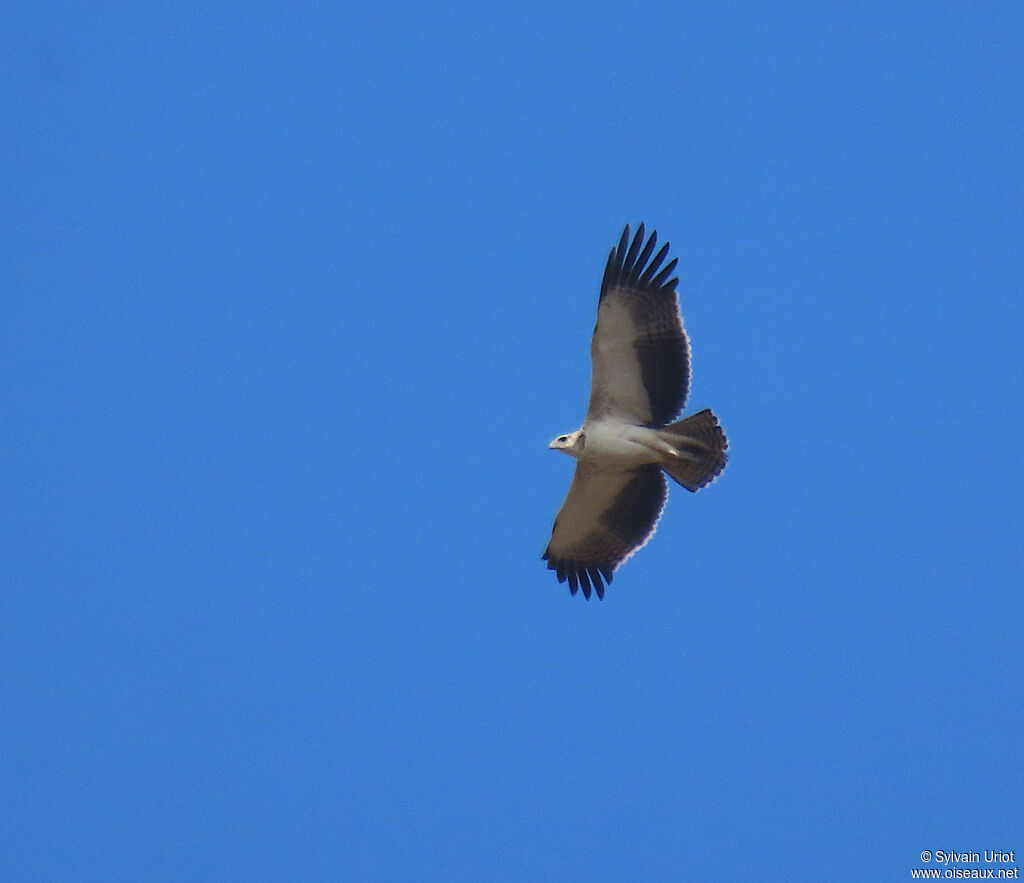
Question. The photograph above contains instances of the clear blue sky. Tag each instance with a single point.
(295, 297)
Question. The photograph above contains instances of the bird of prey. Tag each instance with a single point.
(640, 376)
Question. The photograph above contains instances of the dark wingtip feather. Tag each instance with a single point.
(646, 253)
(609, 271)
(630, 263)
(584, 581)
(595, 579)
(623, 242)
(652, 267)
(580, 575)
(659, 280)
(634, 249)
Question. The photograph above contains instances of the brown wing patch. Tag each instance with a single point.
(607, 516)
(640, 352)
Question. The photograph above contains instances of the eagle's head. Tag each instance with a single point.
(571, 444)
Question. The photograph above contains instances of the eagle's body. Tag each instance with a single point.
(609, 442)
(641, 367)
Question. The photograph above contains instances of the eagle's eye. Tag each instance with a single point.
(563, 438)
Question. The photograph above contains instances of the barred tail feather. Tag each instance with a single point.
(700, 446)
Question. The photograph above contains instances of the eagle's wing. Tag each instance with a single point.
(640, 353)
(607, 516)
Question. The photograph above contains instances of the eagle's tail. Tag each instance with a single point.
(699, 445)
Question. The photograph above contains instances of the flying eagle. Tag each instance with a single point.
(641, 373)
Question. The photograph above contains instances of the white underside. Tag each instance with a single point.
(611, 443)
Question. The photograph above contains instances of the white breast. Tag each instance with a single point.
(612, 443)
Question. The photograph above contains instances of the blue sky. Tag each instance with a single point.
(295, 298)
